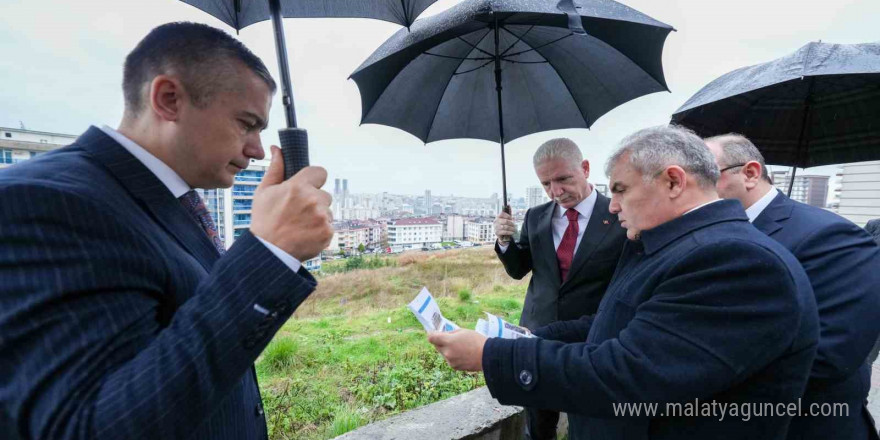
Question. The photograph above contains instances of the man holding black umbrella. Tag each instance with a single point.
(842, 263)
(569, 278)
(123, 316)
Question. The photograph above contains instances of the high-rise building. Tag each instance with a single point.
(809, 189)
(428, 202)
(535, 196)
(859, 192)
(601, 188)
(18, 145)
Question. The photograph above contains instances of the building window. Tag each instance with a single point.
(9, 135)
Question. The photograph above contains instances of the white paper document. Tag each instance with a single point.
(495, 327)
(428, 313)
(425, 307)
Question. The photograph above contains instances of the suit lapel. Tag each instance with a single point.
(545, 244)
(770, 220)
(601, 221)
(151, 194)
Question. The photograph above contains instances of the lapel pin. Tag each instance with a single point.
(605, 222)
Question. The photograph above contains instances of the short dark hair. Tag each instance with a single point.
(739, 149)
(200, 55)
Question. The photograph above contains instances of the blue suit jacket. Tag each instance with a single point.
(702, 307)
(843, 264)
(118, 318)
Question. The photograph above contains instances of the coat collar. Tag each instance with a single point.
(770, 220)
(718, 212)
(151, 194)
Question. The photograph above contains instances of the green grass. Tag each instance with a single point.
(344, 364)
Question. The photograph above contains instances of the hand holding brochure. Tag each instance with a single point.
(425, 307)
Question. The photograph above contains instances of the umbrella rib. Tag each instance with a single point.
(476, 48)
(518, 39)
(475, 68)
(536, 47)
(458, 58)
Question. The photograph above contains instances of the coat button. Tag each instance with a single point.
(525, 377)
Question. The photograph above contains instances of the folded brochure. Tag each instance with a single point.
(425, 307)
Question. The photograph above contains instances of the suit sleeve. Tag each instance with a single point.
(843, 265)
(677, 345)
(571, 331)
(82, 350)
(517, 259)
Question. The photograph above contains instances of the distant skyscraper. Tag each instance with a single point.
(534, 196)
(336, 189)
(809, 189)
(859, 192)
(428, 202)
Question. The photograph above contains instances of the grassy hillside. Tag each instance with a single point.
(353, 353)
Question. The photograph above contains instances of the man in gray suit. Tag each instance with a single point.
(570, 244)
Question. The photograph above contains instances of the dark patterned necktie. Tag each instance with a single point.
(197, 209)
(565, 251)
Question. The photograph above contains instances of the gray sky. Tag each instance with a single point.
(61, 65)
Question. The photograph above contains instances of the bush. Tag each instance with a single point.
(416, 381)
(464, 295)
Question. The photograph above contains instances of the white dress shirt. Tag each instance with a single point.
(758, 207)
(179, 187)
(559, 222)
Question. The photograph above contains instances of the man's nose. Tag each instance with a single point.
(614, 206)
(254, 148)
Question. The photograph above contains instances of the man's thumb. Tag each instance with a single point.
(275, 174)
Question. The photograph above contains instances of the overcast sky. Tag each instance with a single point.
(61, 65)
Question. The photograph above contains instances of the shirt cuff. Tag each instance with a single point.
(285, 258)
(502, 247)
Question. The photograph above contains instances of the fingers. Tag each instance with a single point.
(275, 174)
(311, 176)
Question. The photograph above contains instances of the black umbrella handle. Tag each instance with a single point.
(294, 150)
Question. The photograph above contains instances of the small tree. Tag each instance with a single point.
(361, 248)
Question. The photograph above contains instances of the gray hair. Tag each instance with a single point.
(738, 149)
(652, 150)
(559, 148)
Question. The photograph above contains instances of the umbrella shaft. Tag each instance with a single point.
(283, 69)
(500, 114)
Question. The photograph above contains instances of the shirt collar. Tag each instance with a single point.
(758, 207)
(163, 172)
(584, 208)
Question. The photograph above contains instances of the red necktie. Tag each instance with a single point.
(197, 209)
(565, 251)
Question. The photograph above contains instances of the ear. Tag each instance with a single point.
(585, 165)
(752, 171)
(674, 180)
(166, 96)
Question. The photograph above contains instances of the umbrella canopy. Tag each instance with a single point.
(817, 106)
(242, 13)
(441, 80)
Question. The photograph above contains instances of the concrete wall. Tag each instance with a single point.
(471, 416)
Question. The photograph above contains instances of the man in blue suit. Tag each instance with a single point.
(121, 314)
(706, 323)
(843, 264)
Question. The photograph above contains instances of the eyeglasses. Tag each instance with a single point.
(731, 167)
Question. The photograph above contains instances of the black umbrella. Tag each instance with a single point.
(563, 65)
(817, 106)
(242, 13)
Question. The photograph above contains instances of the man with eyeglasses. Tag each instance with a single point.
(843, 264)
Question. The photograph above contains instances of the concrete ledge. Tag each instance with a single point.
(471, 416)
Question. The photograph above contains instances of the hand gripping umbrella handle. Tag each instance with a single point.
(294, 150)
